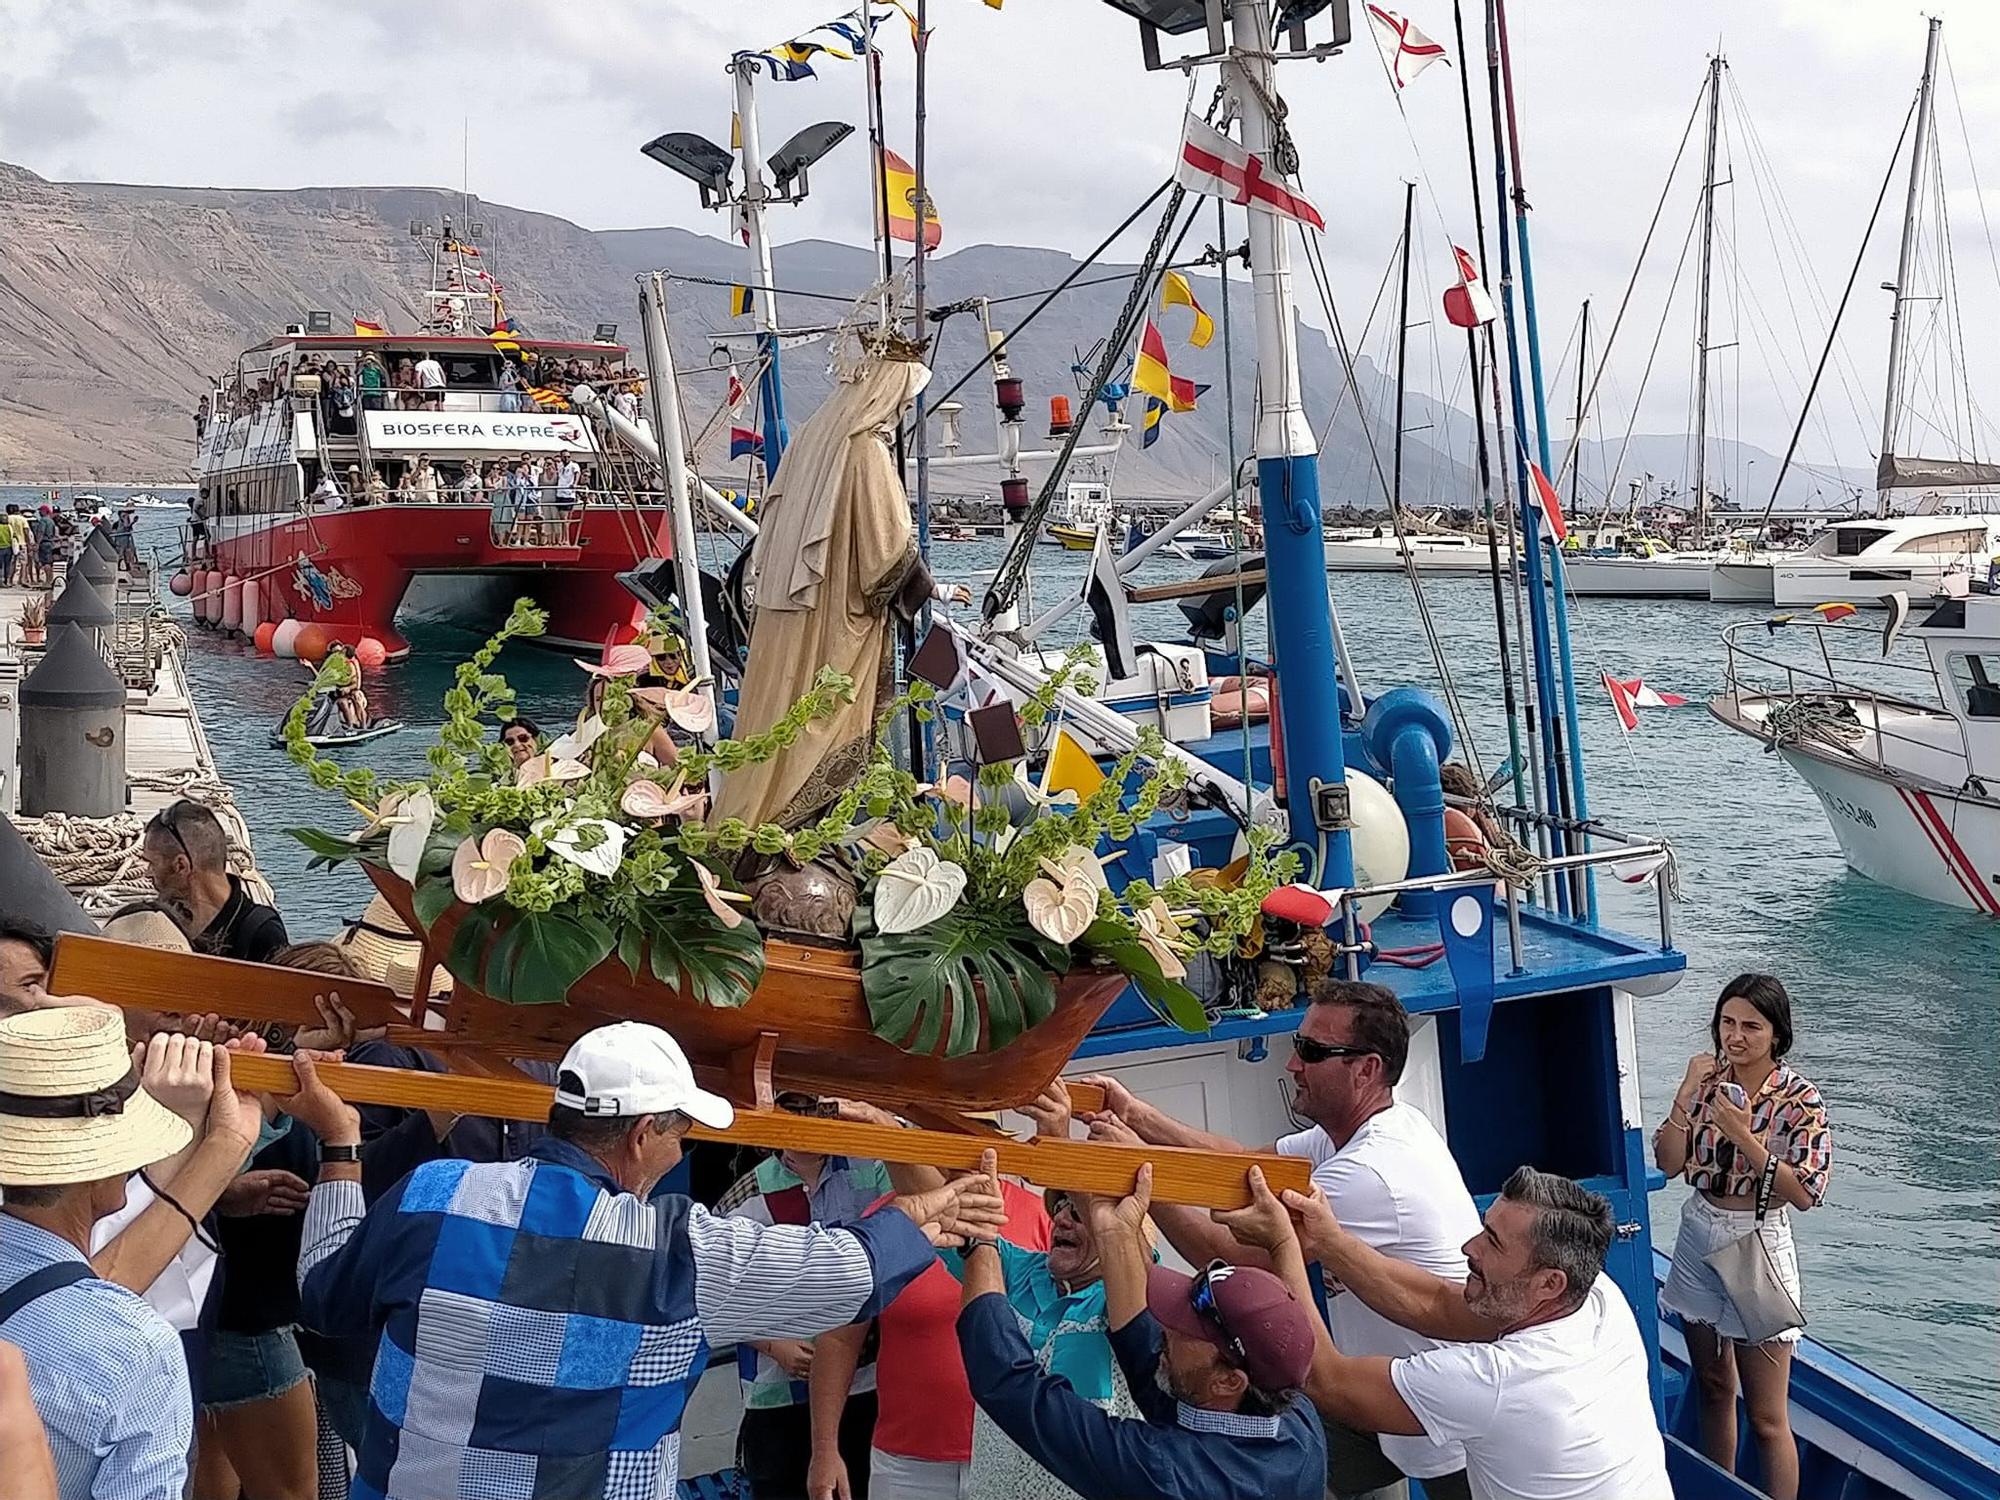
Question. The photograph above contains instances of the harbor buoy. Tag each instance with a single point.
(370, 653)
(1380, 838)
(232, 602)
(311, 642)
(266, 633)
(204, 596)
(180, 585)
(284, 640)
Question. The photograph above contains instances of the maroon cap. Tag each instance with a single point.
(1271, 1330)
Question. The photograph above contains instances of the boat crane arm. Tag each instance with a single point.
(1103, 729)
(607, 417)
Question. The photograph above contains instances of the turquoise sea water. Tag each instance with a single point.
(1897, 1001)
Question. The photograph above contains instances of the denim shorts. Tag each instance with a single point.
(247, 1367)
(1694, 1289)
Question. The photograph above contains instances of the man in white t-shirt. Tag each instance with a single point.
(430, 381)
(1548, 1390)
(1390, 1178)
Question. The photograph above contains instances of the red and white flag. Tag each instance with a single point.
(1215, 166)
(1405, 50)
(1467, 305)
(1542, 495)
(1630, 694)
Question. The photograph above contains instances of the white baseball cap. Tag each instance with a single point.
(631, 1069)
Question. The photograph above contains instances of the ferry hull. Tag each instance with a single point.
(353, 572)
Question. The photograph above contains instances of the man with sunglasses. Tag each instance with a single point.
(1391, 1180)
(1232, 1346)
(186, 855)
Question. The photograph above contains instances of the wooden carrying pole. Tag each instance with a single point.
(1208, 1179)
(485, 1083)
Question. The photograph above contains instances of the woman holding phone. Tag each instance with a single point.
(1740, 1111)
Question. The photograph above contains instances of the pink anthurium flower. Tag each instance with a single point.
(479, 866)
(717, 898)
(545, 767)
(628, 660)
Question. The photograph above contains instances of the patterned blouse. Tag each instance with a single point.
(1787, 1114)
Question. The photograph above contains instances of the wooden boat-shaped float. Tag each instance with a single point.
(805, 1029)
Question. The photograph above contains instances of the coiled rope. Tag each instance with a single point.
(1814, 718)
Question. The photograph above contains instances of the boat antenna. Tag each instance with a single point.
(919, 254)
(1402, 350)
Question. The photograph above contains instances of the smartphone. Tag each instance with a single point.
(1733, 1092)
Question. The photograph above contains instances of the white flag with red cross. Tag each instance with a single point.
(1215, 166)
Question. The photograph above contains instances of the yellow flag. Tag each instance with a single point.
(735, 132)
(1175, 292)
(1070, 768)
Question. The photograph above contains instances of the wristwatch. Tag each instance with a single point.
(334, 1155)
(965, 1250)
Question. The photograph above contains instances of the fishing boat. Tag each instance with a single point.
(1910, 786)
(273, 545)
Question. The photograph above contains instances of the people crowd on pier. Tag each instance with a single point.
(223, 1294)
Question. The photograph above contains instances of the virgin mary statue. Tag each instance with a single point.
(836, 557)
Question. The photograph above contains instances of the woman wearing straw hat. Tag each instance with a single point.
(107, 1373)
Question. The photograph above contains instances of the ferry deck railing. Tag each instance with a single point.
(1741, 661)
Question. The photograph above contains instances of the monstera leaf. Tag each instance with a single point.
(538, 955)
(1171, 1000)
(926, 986)
(690, 950)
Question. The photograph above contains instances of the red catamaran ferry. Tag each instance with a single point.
(459, 483)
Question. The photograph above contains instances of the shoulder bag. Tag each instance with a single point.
(1749, 1274)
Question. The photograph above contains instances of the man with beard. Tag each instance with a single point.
(1548, 1393)
(1214, 1362)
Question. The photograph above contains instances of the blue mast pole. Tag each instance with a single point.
(1577, 799)
(1531, 531)
(1302, 646)
(764, 302)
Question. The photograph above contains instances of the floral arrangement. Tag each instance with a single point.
(974, 895)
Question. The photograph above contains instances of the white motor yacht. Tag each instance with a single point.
(1861, 562)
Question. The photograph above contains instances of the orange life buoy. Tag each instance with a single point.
(1463, 840)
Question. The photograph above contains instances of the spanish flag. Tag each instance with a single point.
(1175, 292)
(1151, 374)
(547, 398)
(902, 196)
(741, 299)
(363, 329)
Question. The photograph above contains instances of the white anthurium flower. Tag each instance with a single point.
(717, 898)
(1037, 792)
(545, 767)
(1159, 933)
(576, 744)
(595, 845)
(409, 824)
(1061, 909)
(915, 889)
(479, 866)
(1080, 861)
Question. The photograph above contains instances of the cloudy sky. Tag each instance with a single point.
(1045, 130)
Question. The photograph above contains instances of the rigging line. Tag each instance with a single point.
(1964, 371)
(1972, 165)
(1316, 265)
(1853, 274)
(1054, 292)
(1382, 287)
(1236, 521)
(1659, 335)
(1611, 338)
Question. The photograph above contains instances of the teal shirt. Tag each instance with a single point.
(1066, 1330)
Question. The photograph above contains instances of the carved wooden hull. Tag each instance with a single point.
(808, 1017)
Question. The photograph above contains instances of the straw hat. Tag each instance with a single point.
(383, 949)
(149, 929)
(71, 1109)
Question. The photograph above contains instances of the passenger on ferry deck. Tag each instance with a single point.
(510, 385)
(471, 487)
(540, 1319)
(378, 488)
(430, 380)
(1389, 1176)
(1540, 1373)
(404, 381)
(357, 492)
(423, 479)
(1725, 1149)
(369, 376)
(339, 399)
(201, 418)
(326, 494)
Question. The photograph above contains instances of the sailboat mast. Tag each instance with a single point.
(1701, 315)
(1402, 350)
(1892, 399)
(918, 257)
(1576, 437)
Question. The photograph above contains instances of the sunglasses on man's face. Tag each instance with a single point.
(1310, 1051)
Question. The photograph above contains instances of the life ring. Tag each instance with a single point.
(1229, 702)
(1464, 841)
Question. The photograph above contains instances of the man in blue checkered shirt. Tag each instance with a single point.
(539, 1324)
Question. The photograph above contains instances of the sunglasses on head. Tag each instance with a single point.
(164, 820)
(1310, 1051)
(1061, 1203)
(1202, 1299)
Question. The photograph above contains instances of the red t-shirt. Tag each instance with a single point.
(923, 1405)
